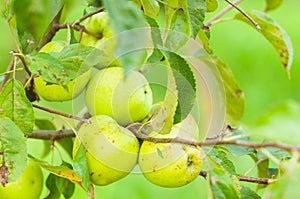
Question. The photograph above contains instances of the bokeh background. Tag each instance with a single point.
(254, 63)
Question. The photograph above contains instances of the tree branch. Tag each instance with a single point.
(143, 136)
(51, 134)
(223, 12)
(247, 178)
(61, 113)
(221, 142)
(55, 26)
(88, 15)
(78, 27)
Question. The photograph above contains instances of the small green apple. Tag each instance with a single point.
(28, 186)
(126, 98)
(170, 164)
(55, 92)
(111, 150)
(98, 24)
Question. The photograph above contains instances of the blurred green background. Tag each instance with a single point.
(254, 64)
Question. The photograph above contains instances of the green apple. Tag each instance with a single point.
(111, 150)
(170, 164)
(98, 24)
(55, 92)
(28, 186)
(126, 98)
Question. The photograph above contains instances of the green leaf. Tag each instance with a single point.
(78, 57)
(212, 5)
(196, 10)
(220, 157)
(280, 122)
(13, 151)
(155, 31)
(204, 37)
(130, 28)
(38, 15)
(52, 187)
(15, 105)
(262, 171)
(81, 167)
(235, 101)
(222, 185)
(179, 31)
(170, 7)
(272, 4)
(274, 34)
(247, 193)
(57, 186)
(185, 84)
(62, 67)
(151, 8)
(7, 9)
(156, 55)
(163, 122)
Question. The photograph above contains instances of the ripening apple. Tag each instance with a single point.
(170, 164)
(28, 186)
(55, 92)
(125, 97)
(99, 25)
(111, 150)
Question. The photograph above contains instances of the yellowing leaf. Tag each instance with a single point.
(62, 171)
(274, 34)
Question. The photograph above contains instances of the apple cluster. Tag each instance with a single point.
(116, 99)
